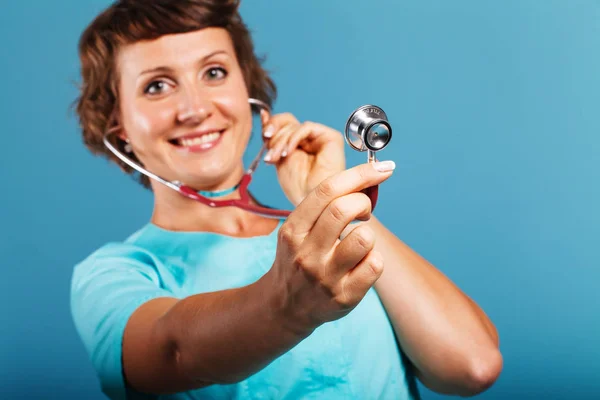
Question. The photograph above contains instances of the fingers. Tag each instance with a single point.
(289, 137)
(278, 144)
(360, 279)
(304, 217)
(352, 250)
(276, 130)
(335, 218)
(312, 134)
(275, 122)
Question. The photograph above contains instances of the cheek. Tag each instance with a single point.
(142, 123)
(244, 130)
(239, 113)
(245, 122)
(233, 103)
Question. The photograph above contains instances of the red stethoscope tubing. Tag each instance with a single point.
(244, 201)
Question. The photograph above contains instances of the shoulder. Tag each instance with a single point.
(122, 255)
(107, 287)
(116, 257)
(117, 270)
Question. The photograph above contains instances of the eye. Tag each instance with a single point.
(216, 73)
(157, 87)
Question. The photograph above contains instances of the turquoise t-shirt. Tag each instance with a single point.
(356, 357)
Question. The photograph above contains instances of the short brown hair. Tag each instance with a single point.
(130, 21)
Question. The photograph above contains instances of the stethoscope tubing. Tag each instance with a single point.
(244, 201)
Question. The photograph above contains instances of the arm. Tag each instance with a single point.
(450, 341)
(172, 345)
(448, 338)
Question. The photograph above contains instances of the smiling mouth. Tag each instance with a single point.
(205, 141)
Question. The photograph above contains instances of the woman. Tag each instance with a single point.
(221, 303)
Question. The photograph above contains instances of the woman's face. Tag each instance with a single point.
(184, 106)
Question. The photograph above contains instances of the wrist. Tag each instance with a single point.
(281, 310)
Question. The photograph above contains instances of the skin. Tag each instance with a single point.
(324, 263)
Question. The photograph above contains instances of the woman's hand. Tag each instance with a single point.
(318, 277)
(304, 154)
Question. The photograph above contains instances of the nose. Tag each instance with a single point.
(193, 107)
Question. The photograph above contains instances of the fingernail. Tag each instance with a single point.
(284, 153)
(268, 156)
(268, 132)
(384, 166)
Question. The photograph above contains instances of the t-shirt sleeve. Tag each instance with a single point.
(106, 289)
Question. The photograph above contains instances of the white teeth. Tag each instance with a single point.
(210, 137)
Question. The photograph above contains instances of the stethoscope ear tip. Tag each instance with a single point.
(261, 105)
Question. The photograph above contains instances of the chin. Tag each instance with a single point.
(213, 178)
(217, 168)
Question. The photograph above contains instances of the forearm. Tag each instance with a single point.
(448, 338)
(224, 337)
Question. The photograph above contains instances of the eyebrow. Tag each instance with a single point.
(163, 68)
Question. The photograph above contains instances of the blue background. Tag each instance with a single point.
(494, 106)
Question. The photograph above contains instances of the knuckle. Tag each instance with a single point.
(364, 201)
(326, 189)
(288, 116)
(301, 261)
(365, 237)
(285, 234)
(340, 209)
(312, 126)
(305, 262)
(375, 265)
(338, 138)
(345, 296)
(288, 129)
(345, 301)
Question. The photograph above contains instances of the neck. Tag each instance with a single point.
(175, 212)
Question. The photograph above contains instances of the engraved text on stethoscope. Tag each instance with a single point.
(373, 110)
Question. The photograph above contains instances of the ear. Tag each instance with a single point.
(123, 135)
(118, 129)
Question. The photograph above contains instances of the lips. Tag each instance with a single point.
(198, 141)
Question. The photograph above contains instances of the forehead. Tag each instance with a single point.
(176, 50)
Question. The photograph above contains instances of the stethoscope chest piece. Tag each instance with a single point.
(368, 129)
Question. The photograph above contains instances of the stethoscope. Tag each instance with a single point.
(367, 129)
